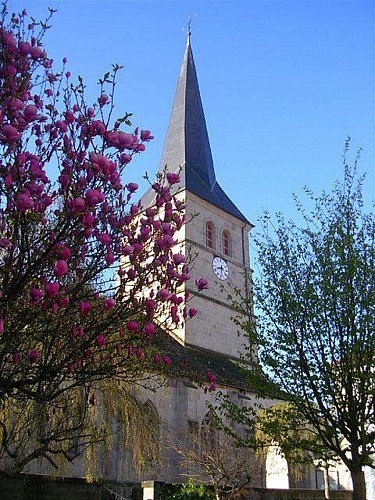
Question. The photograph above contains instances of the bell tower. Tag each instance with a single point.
(217, 235)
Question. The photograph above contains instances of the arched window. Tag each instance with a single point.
(226, 242)
(210, 234)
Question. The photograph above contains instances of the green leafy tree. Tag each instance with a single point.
(316, 325)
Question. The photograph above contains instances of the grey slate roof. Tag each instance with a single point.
(187, 144)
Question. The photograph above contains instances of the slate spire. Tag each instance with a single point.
(187, 143)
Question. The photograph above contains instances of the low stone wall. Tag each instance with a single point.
(262, 494)
(35, 487)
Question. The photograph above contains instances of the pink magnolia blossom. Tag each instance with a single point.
(51, 289)
(84, 307)
(30, 112)
(36, 295)
(10, 134)
(101, 340)
(192, 312)
(201, 283)
(94, 197)
(109, 304)
(110, 258)
(157, 359)
(132, 326)
(149, 329)
(167, 360)
(60, 268)
(16, 357)
(64, 252)
(178, 259)
(24, 202)
(173, 178)
(146, 135)
(33, 355)
(132, 187)
(139, 352)
(4, 243)
(164, 294)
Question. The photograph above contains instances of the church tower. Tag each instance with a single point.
(217, 236)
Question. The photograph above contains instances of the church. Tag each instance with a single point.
(216, 240)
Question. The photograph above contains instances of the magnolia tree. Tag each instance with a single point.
(68, 320)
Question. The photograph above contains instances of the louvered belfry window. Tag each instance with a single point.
(209, 234)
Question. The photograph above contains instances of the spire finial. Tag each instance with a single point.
(188, 31)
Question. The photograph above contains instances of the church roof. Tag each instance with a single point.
(187, 145)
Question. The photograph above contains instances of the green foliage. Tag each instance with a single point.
(187, 491)
(315, 302)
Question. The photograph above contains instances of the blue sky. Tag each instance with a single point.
(283, 83)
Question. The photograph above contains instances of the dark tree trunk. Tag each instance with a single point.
(359, 485)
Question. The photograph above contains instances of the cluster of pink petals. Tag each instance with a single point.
(83, 223)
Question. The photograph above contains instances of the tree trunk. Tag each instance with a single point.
(327, 495)
(359, 485)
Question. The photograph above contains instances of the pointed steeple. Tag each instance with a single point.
(187, 144)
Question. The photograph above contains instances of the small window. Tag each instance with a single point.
(210, 234)
(226, 242)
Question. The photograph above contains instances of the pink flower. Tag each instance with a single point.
(94, 197)
(51, 289)
(146, 135)
(134, 209)
(167, 360)
(30, 112)
(125, 141)
(4, 243)
(64, 252)
(77, 205)
(127, 250)
(109, 304)
(178, 259)
(210, 376)
(110, 258)
(24, 202)
(87, 353)
(10, 134)
(132, 326)
(84, 307)
(101, 340)
(130, 349)
(132, 273)
(132, 187)
(139, 352)
(61, 268)
(192, 312)
(16, 357)
(1, 326)
(156, 358)
(149, 329)
(103, 99)
(163, 294)
(173, 178)
(201, 283)
(36, 295)
(33, 355)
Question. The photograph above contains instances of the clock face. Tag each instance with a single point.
(220, 268)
